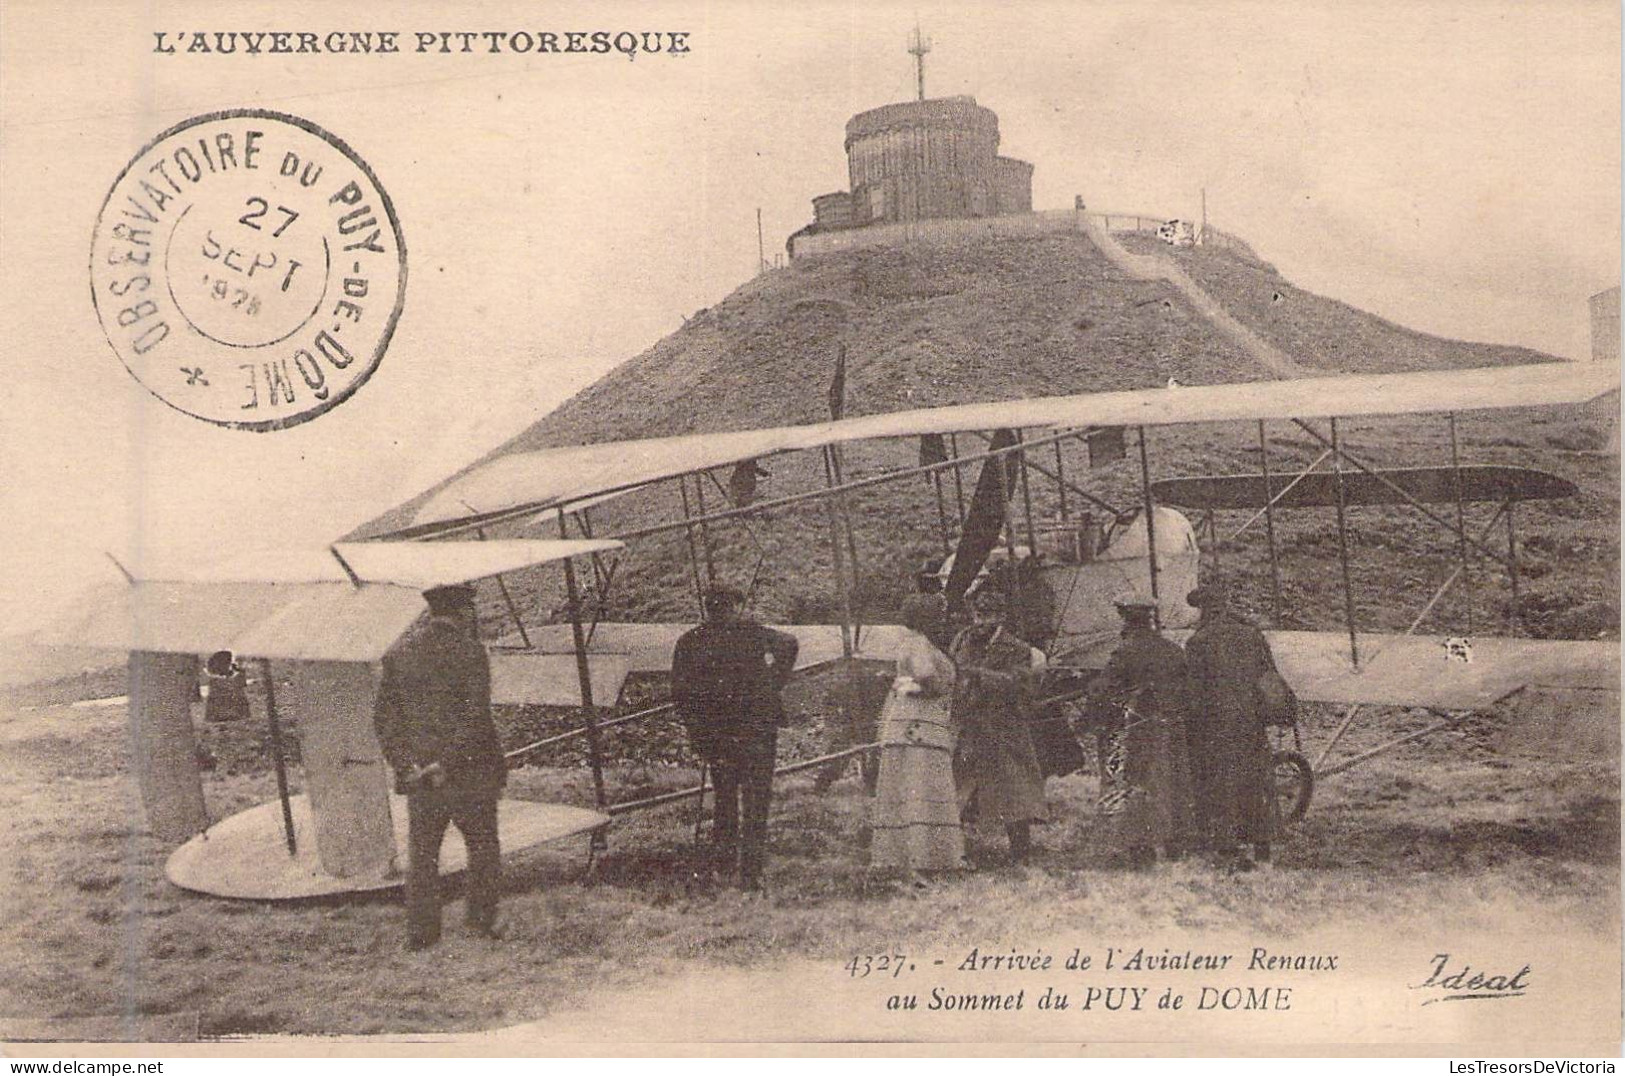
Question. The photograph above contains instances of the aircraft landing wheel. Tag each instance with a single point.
(1294, 785)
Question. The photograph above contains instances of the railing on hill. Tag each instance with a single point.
(1043, 222)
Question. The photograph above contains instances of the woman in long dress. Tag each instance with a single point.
(915, 817)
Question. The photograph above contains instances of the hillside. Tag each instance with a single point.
(1322, 333)
(1006, 318)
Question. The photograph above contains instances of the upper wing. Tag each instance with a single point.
(297, 604)
(298, 621)
(532, 481)
(417, 565)
(1320, 490)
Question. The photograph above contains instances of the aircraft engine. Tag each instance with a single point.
(1085, 592)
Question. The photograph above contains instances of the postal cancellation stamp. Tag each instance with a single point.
(248, 269)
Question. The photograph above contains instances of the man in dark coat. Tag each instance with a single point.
(1230, 752)
(433, 718)
(1138, 708)
(726, 676)
(995, 766)
(228, 689)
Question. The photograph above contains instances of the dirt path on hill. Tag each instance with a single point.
(1146, 267)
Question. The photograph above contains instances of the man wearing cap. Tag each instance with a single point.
(433, 718)
(726, 675)
(995, 767)
(1230, 753)
(1138, 707)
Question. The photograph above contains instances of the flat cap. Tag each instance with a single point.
(1213, 594)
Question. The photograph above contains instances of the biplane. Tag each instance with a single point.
(327, 617)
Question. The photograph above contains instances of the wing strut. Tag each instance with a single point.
(584, 676)
(507, 598)
(1150, 524)
(959, 482)
(838, 554)
(1269, 524)
(1461, 523)
(1343, 549)
(1060, 482)
(693, 549)
(277, 760)
(839, 488)
(1027, 499)
(705, 531)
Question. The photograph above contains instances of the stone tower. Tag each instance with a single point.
(919, 160)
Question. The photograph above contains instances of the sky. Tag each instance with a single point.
(1454, 167)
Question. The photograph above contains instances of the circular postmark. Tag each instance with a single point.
(248, 269)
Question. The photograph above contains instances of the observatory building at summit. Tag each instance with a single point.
(930, 158)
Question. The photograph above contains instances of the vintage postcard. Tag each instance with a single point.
(718, 527)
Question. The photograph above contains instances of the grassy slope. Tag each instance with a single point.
(89, 926)
(1319, 332)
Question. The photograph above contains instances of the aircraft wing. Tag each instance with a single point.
(292, 604)
(1412, 670)
(528, 679)
(648, 647)
(416, 565)
(1397, 670)
(298, 621)
(1432, 485)
(532, 481)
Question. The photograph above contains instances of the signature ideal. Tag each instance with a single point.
(1450, 982)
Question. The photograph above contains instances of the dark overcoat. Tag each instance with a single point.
(1230, 753)
(228, 697)
(726, 676)
(434, 705)
(995, 767)
(1140, 705)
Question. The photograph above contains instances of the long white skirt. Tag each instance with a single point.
(914, 819)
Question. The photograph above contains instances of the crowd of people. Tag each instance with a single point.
(1180, 738)
(1180, 734)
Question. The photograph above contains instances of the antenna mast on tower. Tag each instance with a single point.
(920, 46)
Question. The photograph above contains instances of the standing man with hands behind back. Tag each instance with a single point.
(726, 676)
(433, 718)
(1228, 659)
